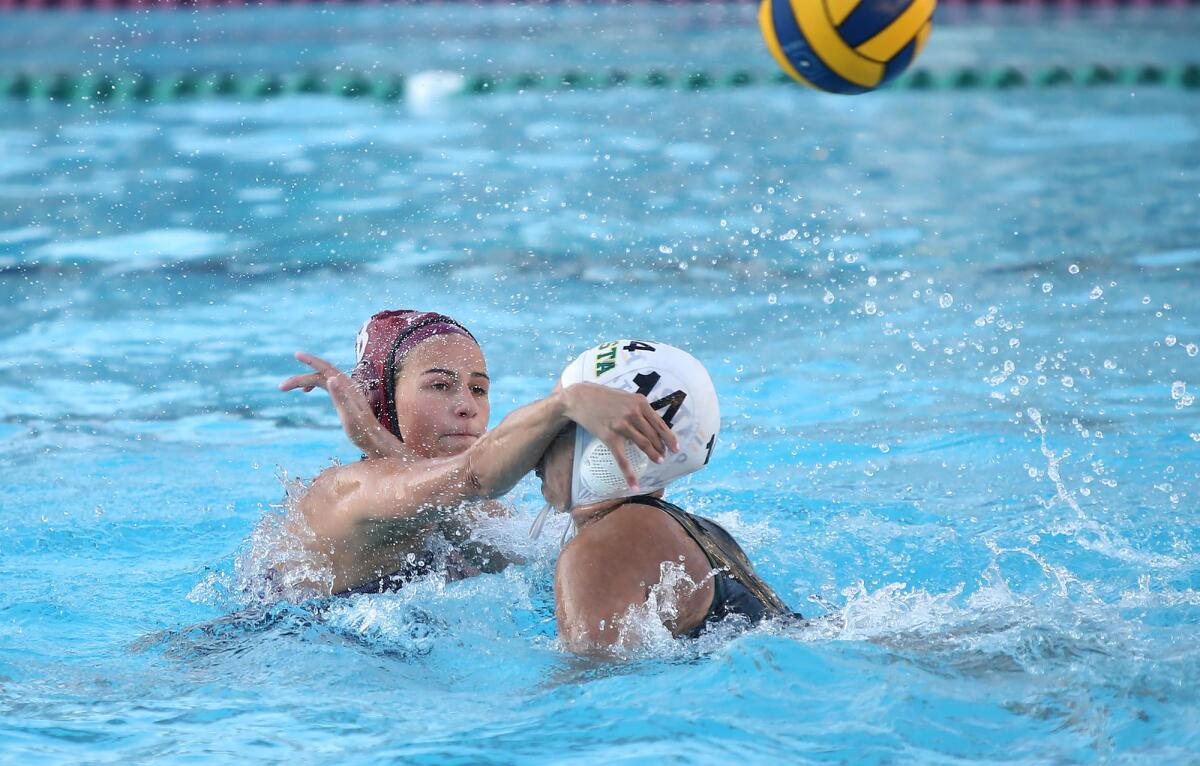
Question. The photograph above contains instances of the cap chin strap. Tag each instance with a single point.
(535, 531)
(569, 532)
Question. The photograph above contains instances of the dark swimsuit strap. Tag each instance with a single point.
(734, 561)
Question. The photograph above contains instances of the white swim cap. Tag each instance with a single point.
(678, 388)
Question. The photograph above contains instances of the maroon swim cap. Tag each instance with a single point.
(382, 343)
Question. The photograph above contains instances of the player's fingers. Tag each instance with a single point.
(617, 446)
(308, 381)
(662, 431)
(316, 362)
(643, 433)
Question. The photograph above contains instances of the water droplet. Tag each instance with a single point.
(870, 308)
(946, 301)
(1191, 349)
(788, 235)
(666, 249)
(1073, 268)
(1097, 291)
(1181, 396)
(1047, 287)
(772, 299)
(828, 298)
(1171, 340)
(1068, 381)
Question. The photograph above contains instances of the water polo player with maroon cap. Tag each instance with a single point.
(418, 408)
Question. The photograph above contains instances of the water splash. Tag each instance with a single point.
(277, 561)
(644, 627)
(1084, 530)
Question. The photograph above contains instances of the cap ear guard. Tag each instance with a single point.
(600, 472)
(360, 342)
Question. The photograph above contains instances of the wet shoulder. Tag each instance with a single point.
(637, 535)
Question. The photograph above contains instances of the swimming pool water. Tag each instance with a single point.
(955, 336)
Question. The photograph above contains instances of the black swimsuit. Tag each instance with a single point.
(736, 587)
(465, 560)
(392, 582)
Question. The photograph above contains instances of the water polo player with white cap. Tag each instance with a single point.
(627, 534)
(418, 407)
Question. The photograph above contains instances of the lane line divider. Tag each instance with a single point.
(123, 87)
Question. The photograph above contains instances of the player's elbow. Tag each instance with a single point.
(479, 484)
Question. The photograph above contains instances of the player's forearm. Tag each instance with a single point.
(498, 460)
(397, 490)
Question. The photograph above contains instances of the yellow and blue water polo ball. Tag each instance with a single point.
(845, 46)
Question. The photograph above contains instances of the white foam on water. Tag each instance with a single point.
(1151, 130)
(424, 134)
(365, 204)
(1146, 597)
(25, 234)
(23, 402)
(287, 110)
(691, 152)
(260, 194)
(543, 129)
(428, 611)
(404, 257)
(116, 131)
(98, 184)
(269, 145)
(142, 249)
(638, 144)
(1168, 258)
(552, 161)
(16, 165)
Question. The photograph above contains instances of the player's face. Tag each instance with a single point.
(442, 403)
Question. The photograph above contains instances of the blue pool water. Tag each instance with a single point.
(955, 336)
